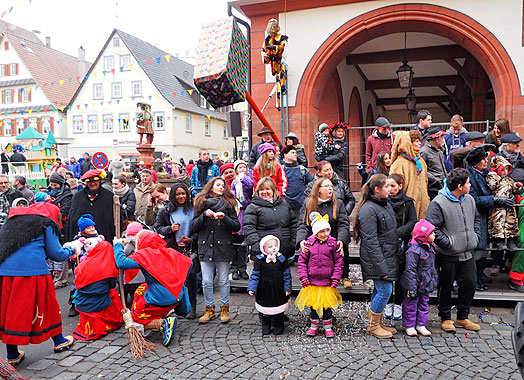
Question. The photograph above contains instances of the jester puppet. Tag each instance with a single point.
(165, 271)
(272, 52)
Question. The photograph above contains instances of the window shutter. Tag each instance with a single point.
(12, 96)
(52, 124)
(6, 45)
(26, 123)
(13, 127)
(39, 124)
(7, 68)
(17, 69)
(20, 96)
(29, 93)
(2, 127)
(3, 97)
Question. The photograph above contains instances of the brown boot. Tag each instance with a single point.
(392, 330)
(374, 327)
(467, 324)
(192, 313)
(224, 314)
(208, 315)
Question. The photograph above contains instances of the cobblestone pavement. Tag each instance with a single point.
(238, 351)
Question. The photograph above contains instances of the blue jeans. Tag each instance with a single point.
(208, 272)
(380, 296)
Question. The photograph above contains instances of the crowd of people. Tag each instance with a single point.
(431, 203)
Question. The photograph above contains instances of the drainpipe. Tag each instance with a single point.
(249, 111)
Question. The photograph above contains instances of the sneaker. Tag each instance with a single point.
(397, 312)
(448, 326)
(467, 324)
(518, 288)
(410, 331)
(234, 276)
(244, 275)
(388, 311)
(422, 330)
(168, 329)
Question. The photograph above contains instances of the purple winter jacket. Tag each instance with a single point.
(420, 273)
(322, 263)
(247, 188)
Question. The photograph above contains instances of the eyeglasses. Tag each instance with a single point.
(327, 186)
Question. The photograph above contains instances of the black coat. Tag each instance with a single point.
(378, 240)
(263, 218)
(339, 226)
(85, 166)
(340, 189)
(63, 200)
(13, 194)
(337, 159)
(215, 236)
(128, 199)
(406, 214)
(101, 208)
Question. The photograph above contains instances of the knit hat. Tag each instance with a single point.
(86, 220)
(133, 228)
(40, 196)
(57, 178)
(224, 167)
(476, 155)
(93, 175)
(267, 238)
(322, 127)
(422, 230)
(72, 182)
(17, 201)
(319, 222)
(263, 148)
(238, 162)
(382, 122)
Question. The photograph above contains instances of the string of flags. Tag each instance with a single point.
(10, 9)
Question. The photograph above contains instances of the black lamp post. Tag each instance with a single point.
(405, 71)
(411, 105)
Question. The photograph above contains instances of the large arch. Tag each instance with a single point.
(354, 135)
(474, 37)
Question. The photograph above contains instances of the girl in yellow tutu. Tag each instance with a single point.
(320, 270)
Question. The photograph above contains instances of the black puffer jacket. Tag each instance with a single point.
(378, 240)
(215, 236)
(340, 189)
(263, 218)
(339, 226)
(404, 208)
(128, 199)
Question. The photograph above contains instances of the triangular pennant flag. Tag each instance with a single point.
(118, 101)
(158, 60)
(62, 108)
(93, 104)
(78, 106)
(28, 90)
(52, 83)
(94, 74)
(113, 71)
(208, 116)
(169, 118)
(139, 64)
(149, 97)
(87, 76)
(201, 116)
(121, 69)
(168, 57)
(86, 105)
(78, 79)
(104, 72)
(101, 103)
(190, 92)
(174, 94)
(148, 61)
(69, 80)
(175, 117)
(37, 87)
(158, 96)
(69, 107)
(25, 123)
(166, 94)
(30, 112)
(182, 117)
(182, 93)
(21, 112)
(46, 109)
(61, 82)
(109, 101)
(131, 67)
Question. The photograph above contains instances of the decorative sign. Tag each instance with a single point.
(100, 160)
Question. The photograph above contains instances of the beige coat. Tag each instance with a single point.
(415, 186)
(142, 196)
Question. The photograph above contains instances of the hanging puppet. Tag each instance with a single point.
(272, 52)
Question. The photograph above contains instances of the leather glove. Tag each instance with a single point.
(504, 202)
(518, 184)
(304, 281)
(334, 283)
(412, 293)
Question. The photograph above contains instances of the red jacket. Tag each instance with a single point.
(375, 145)
(280, 178)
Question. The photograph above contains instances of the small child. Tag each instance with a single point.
(129, 248)
(320, 271)
(420, 278)
(324, 145)
(270, 282)
(503, 221)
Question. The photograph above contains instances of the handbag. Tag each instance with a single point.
(193, 255)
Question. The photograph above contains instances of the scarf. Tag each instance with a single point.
(202, 171)
(4, 203)
(271, 258)
(511, 156)
(54, 192)
(445, 191)
(239, 190)
(416, 160)
(320, 200)
(121, 192)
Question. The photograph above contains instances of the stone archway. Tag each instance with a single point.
(354, 135)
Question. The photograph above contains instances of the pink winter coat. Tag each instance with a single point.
(322, 263)
(375, 145)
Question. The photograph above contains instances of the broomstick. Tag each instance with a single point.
(7, 371)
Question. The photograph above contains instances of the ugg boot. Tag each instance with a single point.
(192, 313)
(208, 315)
(392, 330)
(374, 327)
(224, 314)
(278, 328)
(328, 329)
(265, 320)
(313, 329)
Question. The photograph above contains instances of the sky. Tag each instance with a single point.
(171, 25)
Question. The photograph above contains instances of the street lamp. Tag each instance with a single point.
(405, 71)
(411, 100)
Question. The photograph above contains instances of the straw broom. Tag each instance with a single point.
(7, 371)
(138, 344)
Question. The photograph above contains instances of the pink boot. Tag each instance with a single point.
(313, 329)
(328, 329)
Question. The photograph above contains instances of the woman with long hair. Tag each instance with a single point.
(500, 128)
(269, 214)
(375, 226)
(383, 164)
(269, 166)
(214, 222)
(173, 222)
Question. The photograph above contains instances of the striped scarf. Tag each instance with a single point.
(416, 160)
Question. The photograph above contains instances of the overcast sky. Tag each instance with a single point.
(171, 25)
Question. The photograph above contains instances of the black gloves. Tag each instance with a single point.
(504, 202)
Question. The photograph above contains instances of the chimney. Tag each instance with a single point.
(48, 42)
(82, 65)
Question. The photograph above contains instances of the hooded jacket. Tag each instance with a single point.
(434, 158)
(321, 263)
(375, 145)
(483, 197)
(116, 167)
(415, 185)
(453, 141)
(420, 273)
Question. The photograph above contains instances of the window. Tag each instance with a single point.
(109, 63)
(125, 62)
(24, 95)
(159, 121)
(7, 128)
(98, 91)
(107, 121)
(123, 122)
(203, 102)
(2, 70)
(32, 122)
(207, 128)
(116, 42)
(136, 88)
(189, 124)
(8, 96)
(78, 124)
(226, 135)
(13, 69)
(46, 124)
(116, 90)
(19, 126)
(92, 124)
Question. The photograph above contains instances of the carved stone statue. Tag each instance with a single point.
(144, 123)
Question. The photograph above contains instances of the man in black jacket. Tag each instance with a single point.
(433, 154)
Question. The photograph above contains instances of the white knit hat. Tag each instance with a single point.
(267, 238)
(319, 222)
(238, 162)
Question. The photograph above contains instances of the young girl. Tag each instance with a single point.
(382, 165)
(375, 225)
(324, 145)
(320, 271)
(503, 221)
(406, 214)
(268, 166)
(271, 282)
(419, 279)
